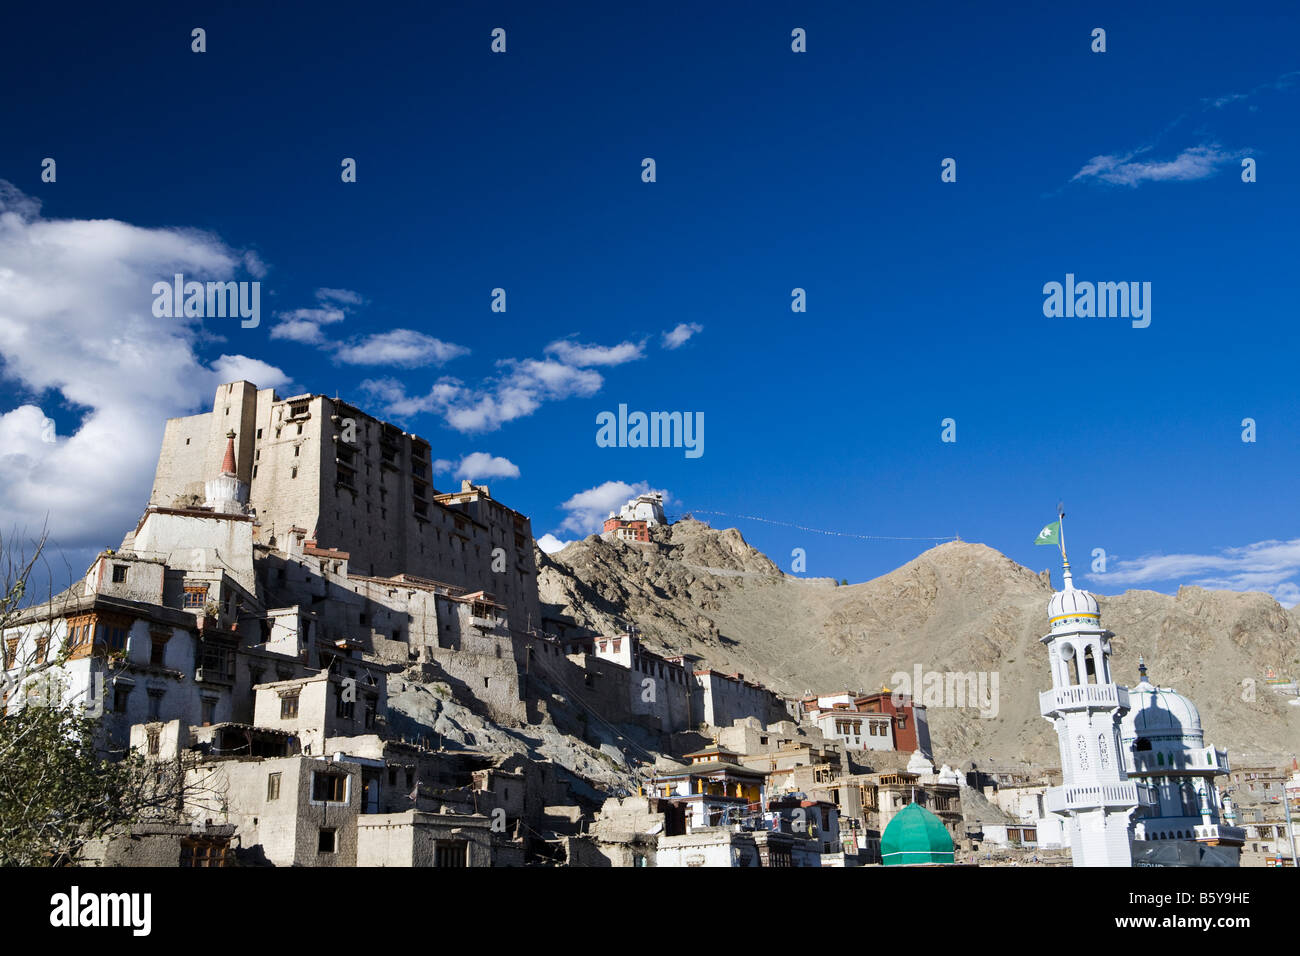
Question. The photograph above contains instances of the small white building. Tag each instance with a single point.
(838, 717)
(648, 508)
(1027, 805)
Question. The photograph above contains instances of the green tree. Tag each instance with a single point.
(56, 793)
(58, 789)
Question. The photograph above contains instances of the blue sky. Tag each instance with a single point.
(775, 170)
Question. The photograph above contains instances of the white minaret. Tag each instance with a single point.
(1096, 798)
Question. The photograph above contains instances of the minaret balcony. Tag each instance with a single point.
(1060, 700)
(1200, 761)
(1111, 796)
(1217, 834)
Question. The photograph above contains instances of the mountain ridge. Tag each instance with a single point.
(956, 607)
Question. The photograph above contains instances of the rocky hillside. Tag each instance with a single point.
(957, 607)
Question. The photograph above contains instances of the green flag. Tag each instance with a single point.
(1051, 534)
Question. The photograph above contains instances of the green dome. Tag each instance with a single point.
(915, 835)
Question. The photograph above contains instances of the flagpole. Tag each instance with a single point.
(1060, 511)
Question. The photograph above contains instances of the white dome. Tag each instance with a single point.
(1158, 713)
(1072, 607)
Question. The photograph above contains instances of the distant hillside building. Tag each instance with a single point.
(634, 520)
(349, 481)
(881, 721)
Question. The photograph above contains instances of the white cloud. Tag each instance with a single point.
(478, 464)
(77, 333)
(1269, 566)
(1197, 162)
(1285, 81)
(522, 388)
(304, 325)
(581, 356)
(587, 510)
(403, 347)
(254, 265)
(346, 296)
(550, 543)
(677, 337)
(241, 368)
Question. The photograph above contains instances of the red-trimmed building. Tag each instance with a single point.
(634, 520)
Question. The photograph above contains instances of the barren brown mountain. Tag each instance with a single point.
(957, 607)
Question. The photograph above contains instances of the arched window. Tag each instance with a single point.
(1090, 665)
(1071, 664)
(1160, 759)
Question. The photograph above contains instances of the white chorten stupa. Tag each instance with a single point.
(1096, 798)
(226, 493)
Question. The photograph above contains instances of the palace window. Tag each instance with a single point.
(114, 635)
(289, 706)
(329, 787)
(453, 854)
(217, 661)
(204, 853)
(344, 709)
(196, 596)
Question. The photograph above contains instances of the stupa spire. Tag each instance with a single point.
(228, 462)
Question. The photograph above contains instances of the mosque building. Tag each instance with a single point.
(1164, 746)
(1138, 778)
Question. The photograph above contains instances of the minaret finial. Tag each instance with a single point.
(1060, 514)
